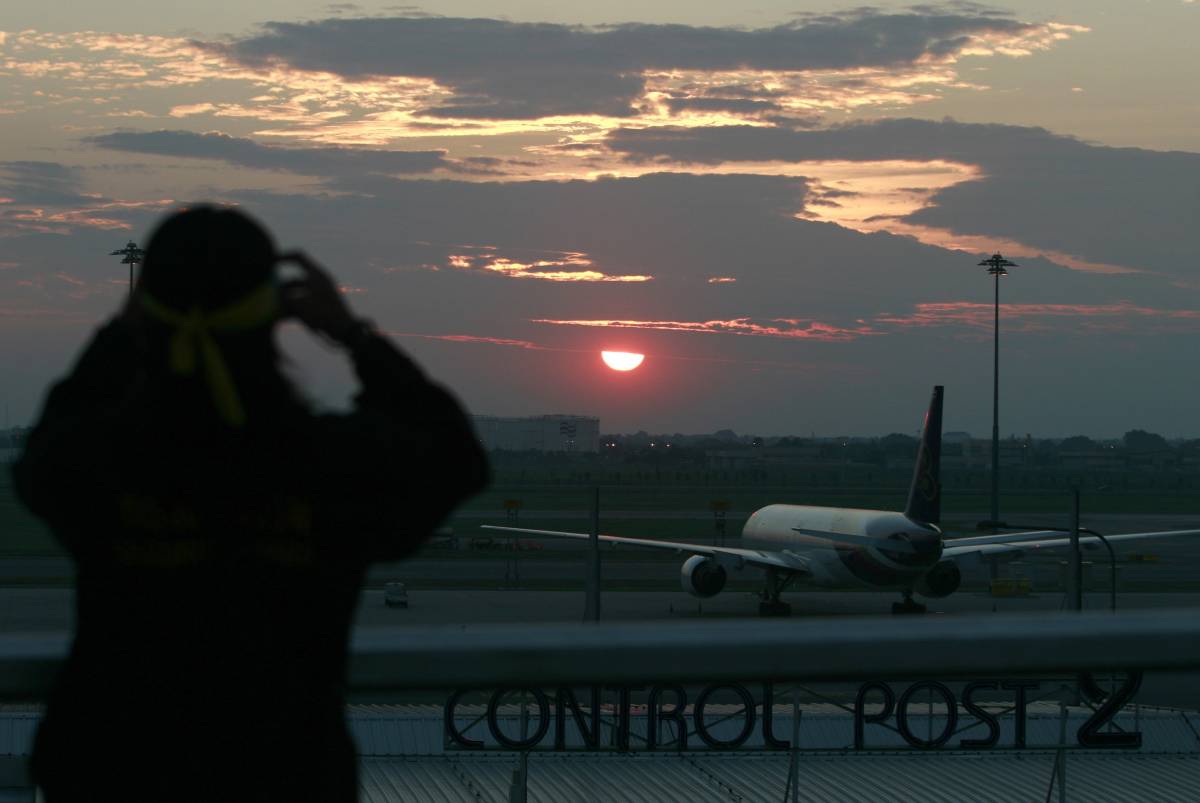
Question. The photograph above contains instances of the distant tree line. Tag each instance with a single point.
(850, 460)
(13, 437)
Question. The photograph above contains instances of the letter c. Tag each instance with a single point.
(452, 729)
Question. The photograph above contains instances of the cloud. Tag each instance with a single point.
(805, 291)
(567, 267)
(681, 229)
(508, 70)
(331, 161)
(21, 315)
(88, 67)
(49, 198)
(774, 327)
(190, 109)
(1081, 204)
(1077, 319)
(1068, 319)
(40, 183)
(369, 81)
(737, 105)
(492, 341)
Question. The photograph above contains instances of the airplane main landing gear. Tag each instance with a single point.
(908, 606)
(771, 604)
(773, 607)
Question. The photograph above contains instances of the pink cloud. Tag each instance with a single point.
(19, 314)
(494, 341)
(189, 109)
(569, 266)
(69, 279)
(531, 346)
(97, 216)
(796, 328)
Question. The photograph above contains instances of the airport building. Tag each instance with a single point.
(542, 433)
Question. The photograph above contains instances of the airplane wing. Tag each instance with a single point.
(732, 556)
(1041, 540)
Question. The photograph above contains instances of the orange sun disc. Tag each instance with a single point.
(622, 360)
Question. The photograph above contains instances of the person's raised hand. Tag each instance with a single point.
(314, 299)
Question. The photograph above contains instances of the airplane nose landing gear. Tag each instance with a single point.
(908, 605)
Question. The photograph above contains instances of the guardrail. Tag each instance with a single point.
(488, 656)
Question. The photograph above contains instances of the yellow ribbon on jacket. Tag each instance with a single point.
(193, 338)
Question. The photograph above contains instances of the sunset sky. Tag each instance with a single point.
(781, 206)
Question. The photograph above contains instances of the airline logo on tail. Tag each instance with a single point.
(926, 485)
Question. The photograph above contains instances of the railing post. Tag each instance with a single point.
(1062, 753)
(1075, 570)
(592, 609)
(518, 791)
(795, 757)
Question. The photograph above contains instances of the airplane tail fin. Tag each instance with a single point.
(925, 494)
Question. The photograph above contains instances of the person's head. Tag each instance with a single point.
(207, 256)
(209, 277)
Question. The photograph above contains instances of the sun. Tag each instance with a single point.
(622, 360)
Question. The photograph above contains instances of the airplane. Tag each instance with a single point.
(836, 547)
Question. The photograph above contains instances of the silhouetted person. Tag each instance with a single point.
(222, 530)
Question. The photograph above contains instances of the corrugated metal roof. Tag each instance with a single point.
(431, 780)
(17, 729)
(634, 778)
(1168, 768)
(393, 730)
(380, 733)
(934, 778)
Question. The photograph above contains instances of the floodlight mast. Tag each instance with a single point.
(133, 256)
(996, 265)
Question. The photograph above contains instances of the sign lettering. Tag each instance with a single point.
(879, 706)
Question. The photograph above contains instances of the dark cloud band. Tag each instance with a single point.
(1123, 206)
(509, 70)
(248, 153)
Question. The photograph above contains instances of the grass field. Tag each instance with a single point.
(749, 497)
(20, 532)
(675, 511)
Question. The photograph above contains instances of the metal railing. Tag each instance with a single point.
(488, 656)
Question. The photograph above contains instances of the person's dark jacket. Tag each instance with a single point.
(219, 569)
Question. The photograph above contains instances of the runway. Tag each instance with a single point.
(464, 586)
(1171, 564)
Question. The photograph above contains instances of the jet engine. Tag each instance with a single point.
(940, 581)
(702, 577)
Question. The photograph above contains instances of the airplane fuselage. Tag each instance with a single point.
(797, 529)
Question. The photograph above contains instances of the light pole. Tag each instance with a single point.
(133, 256)
(996, 266)
(1074, 579)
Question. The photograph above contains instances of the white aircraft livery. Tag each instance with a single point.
(839, 547)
